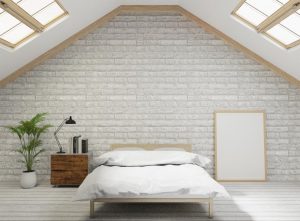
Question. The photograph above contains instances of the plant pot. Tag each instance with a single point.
(28, 179)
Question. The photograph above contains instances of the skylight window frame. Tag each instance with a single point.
(282, 13)
(287, 46)
(19, 13)
(234, 13)
(58, 17)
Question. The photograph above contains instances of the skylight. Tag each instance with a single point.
(21, 19)
(251, 15)
(277, 19)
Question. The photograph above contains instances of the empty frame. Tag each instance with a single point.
(240, 146)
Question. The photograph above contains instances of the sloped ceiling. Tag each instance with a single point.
(215, 12)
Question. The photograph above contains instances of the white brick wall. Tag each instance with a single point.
(146, 78)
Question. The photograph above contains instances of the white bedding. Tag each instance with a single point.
(133, 181)
(148, 173)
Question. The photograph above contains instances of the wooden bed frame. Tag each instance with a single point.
(155, 198)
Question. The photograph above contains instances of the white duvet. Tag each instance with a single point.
(149, 176)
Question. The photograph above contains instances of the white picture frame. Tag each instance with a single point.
(240, 145)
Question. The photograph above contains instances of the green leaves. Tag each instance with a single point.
(29, 132)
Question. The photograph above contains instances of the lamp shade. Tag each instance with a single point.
(70, 121)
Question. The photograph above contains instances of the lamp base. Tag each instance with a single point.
(60, 152)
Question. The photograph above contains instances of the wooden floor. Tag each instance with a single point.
(260, 201)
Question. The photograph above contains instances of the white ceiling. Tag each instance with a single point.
(215, 12)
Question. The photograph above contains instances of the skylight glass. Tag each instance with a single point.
(32, 6)
(288, 31)
(270, 17)
(49, 13)
(17, 34)
(11, 29)
(267, 7)
(283, 35)
(7, 22)
(250, 14)
(14, 31)
(256, 11)
(44, 11)
(292, 23)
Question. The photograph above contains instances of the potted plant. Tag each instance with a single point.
(29, 132)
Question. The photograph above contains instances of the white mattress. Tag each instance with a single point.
(169, 180)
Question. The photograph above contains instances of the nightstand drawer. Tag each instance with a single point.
(68, 177)
(79, 176)
(69, 169)
(80, 162)
(67, 162)
(61, 162)
(60, 177)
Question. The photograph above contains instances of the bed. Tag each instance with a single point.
(147, 173)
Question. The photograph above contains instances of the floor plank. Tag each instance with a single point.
(271, 201)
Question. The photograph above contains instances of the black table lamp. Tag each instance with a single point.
(65, 121)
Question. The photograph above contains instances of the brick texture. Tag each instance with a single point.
(150, 78)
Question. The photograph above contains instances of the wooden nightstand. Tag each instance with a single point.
(69, 169)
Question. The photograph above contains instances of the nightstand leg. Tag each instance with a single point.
(92, 208)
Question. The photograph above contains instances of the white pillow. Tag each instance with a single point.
(149, 158)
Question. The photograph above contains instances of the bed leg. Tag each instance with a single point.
(211, 208)
(92, 208)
